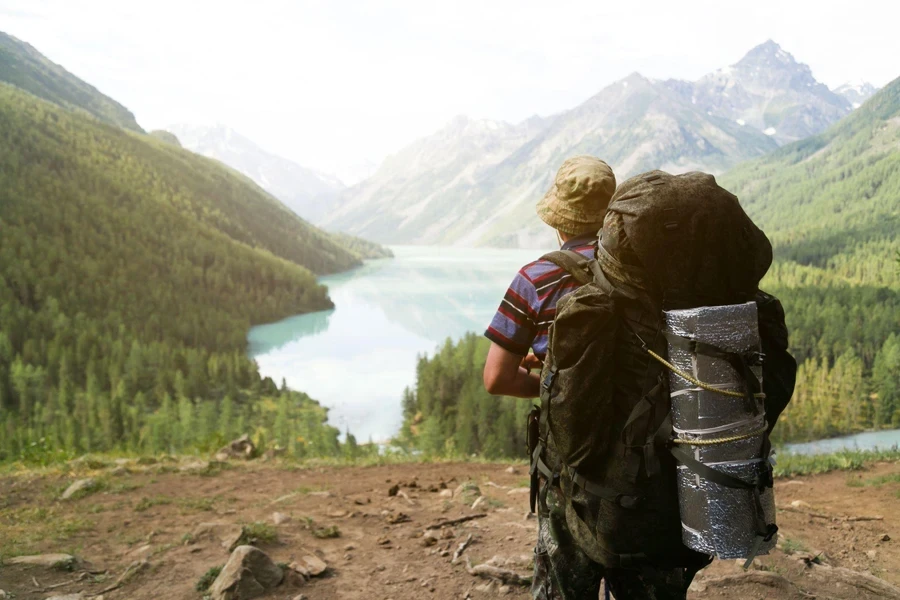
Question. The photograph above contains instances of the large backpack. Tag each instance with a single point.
(668, 242)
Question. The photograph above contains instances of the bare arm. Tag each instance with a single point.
(505, 375)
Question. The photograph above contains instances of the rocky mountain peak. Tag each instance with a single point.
(768, 54)
(856, 92)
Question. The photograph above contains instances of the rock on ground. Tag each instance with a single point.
(78, 486)
(311, 564)
(228, 534)
(60, 561)
(239, 448)
(249, 573)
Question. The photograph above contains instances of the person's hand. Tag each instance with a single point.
(530, 362)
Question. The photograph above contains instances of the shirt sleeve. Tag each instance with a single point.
(514, 326)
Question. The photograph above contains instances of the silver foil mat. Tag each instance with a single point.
(715, 519)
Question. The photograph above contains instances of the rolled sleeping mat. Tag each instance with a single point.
(721, 431)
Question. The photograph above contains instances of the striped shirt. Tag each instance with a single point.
(523, 320)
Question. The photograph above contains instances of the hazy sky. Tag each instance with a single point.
(329, 83)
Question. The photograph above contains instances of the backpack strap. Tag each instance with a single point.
(574, 264)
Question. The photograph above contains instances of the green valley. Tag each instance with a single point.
(130, 271)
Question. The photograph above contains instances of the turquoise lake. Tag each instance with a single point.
(357, 358)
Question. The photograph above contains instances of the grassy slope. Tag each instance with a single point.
(833, 201)
(26, 68)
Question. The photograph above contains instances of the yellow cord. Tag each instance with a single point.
(696, 381)
(724, 440)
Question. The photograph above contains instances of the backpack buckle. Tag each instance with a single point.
(549, 378)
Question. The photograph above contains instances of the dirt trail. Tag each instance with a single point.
(149, 513)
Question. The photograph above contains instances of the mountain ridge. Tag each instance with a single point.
(635, 124)
(305, 191)
(25, 67)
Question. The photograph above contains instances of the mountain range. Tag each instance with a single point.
(476, 182)
(308, 193)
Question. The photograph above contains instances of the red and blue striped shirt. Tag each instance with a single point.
(523, 320)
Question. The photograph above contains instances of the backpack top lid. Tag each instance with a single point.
(690, 237)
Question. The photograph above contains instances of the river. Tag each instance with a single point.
(357, 358)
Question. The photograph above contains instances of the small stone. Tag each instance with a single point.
(293, 577)
(78, 596)
(445, 553)
(800, 504)
(314, 565)
(392, 491)
(197, 466)
(227, 534)
(82, 485)
(430, 538)
(240, 448)
(517, 491)
(57, 561)
(324, 494)
(349, 547)
(511, 470)
(872, 554)
(280, 518)
(141, 552)
(383, 541)
(248, 573)
(446, 494)
(299, 597)
(885, 537)
(504, 590)
(448, 533)
(697, 586)
(485, 587)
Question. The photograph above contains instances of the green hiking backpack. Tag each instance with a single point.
(605, 431)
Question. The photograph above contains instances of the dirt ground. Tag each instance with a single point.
(150, 517)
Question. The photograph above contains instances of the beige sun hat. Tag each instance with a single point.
(577, 201)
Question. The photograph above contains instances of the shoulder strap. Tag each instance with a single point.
(574, 263)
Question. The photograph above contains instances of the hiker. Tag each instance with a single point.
(604, 448)
(574, 207)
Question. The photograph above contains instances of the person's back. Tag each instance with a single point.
(574, 206)
(522, 323)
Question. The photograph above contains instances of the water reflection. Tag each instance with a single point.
(870, 440)
(357, 358)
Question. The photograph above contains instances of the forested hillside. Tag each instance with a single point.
(26, 68)
(831, 205)
(130, 271)
(833, 200)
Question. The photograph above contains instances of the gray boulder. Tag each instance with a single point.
(249, 573)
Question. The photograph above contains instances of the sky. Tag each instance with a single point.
(335, 84)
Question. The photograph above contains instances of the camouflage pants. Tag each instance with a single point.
(563, 572)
